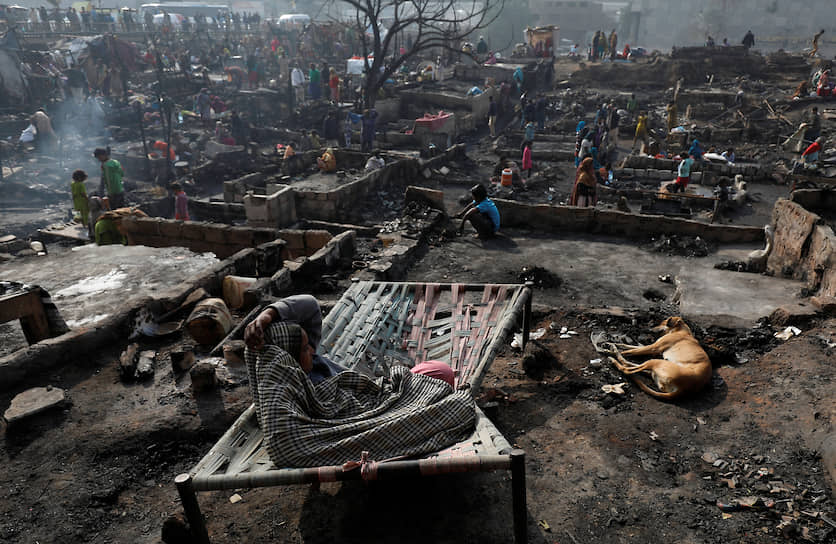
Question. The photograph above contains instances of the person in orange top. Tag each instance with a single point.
(162, 147)
(334, 83)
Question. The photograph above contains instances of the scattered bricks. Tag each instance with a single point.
(127, 362)
(315, 239)
(34, 401)
(826, 304)
(234, 352)
(281, 282)
(181, 359)
(270, 256)
(254, 294)
(203, 377)
(145, 365)
(434, 199)
(796, 313)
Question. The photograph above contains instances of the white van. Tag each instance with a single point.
(294, 20)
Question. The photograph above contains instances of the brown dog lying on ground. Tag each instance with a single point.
(684, 367)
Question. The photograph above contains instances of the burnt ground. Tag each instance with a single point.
(601, 467)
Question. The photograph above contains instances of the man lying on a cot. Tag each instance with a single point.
(304, 311)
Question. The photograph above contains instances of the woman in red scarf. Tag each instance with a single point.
(584, 192)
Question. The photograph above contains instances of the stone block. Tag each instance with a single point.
(34, 401)
(793, 226)
(263, 236)
(315, 239)
(295, 238)
(193, 230)
(217, 234)
(170, 229)
(281, 282)
(203, 377)
(240, 236)
(796, 313)
(825, 304)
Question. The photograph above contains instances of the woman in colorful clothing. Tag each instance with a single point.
(584, 192)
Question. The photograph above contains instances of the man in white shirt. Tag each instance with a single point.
(297, 79)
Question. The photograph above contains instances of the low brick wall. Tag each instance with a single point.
(804, 248)
(222, 240)
(200, 237)
(274, 210)
(113, 332)
(641, 165)
(574, 219)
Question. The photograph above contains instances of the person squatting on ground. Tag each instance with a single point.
(327, 163)
(481, 212)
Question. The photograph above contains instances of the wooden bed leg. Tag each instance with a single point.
(526, 325)
(518, 495)
(193, 515)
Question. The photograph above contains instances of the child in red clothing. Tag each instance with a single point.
(181, 202)
(527, 164)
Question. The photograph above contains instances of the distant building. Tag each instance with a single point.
(577, 19)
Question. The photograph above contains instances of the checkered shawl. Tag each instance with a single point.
(404, 414)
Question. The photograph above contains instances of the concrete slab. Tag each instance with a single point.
(34, 401)
(731, 299)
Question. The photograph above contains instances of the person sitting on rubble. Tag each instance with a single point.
(327, 163)
(824, 88)
(375, 162)
(481, 212)
(728, 155)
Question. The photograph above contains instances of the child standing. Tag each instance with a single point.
(181, 202)
(526, 160)
(79, 192)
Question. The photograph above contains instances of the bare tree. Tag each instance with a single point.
(429, 25)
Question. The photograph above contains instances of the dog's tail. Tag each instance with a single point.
(650, 391)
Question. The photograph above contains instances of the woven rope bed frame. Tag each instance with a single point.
(373, 325)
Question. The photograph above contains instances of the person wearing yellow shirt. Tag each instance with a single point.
(641, 129)
(327, 162)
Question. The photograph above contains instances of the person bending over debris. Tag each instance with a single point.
(79, 192)
(584, 192)
(327, 162)
(816, 43)
(482, 213)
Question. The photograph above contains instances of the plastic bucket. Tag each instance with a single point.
(507, 177)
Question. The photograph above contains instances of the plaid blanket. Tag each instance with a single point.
(333, 422)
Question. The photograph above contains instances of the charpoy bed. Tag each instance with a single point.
(374, 325)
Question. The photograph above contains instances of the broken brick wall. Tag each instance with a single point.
(804, 248)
